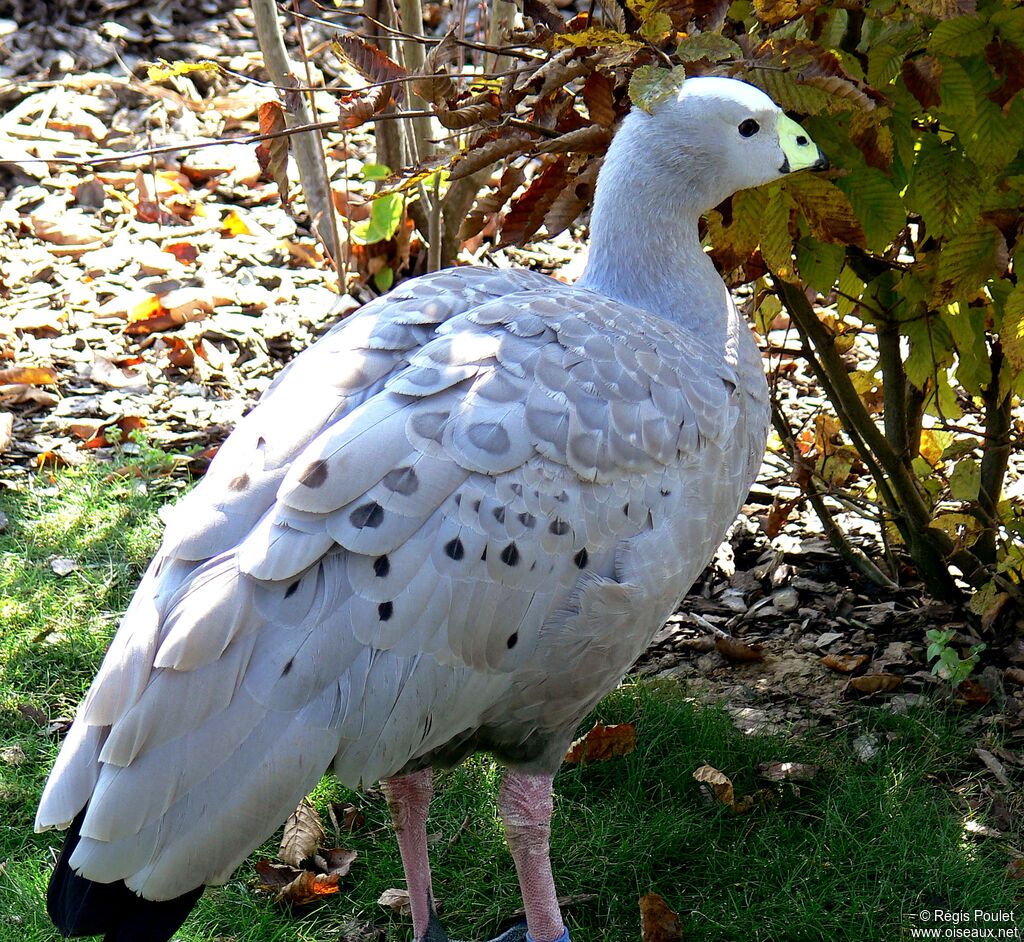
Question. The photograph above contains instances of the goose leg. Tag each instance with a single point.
(409, 799)
(526, 805)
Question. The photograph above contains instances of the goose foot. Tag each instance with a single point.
(435, 933)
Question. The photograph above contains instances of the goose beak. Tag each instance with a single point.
(799, 151)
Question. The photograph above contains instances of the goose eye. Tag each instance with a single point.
(749, 127)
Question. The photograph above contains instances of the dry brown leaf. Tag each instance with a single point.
(974, 693)
(603, 743)
(788, 771)
(732, 649)
(876, 683)
(294, 887)
(273, 154)
(372, 64)
(108, 372)
(657, 922)
(336, 860)
(923, 77)
(397, 900)
(528, 210)
(1014, 675)
(28, 375)
(67, 228)
(599, 97)
(844, 663)
(303, 832)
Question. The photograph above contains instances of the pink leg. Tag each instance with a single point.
(526, 805)
(409, 799)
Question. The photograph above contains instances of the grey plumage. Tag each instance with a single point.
(451, 524)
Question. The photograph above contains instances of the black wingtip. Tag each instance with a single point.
(80, 907)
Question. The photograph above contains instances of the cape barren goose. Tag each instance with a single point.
(451, 525)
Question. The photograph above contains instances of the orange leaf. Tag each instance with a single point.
(876, 683)
(844, 663)
(184, 252)
(603, 743)
(657, 922)
(732, 649)
(30, 375)
(974, 693)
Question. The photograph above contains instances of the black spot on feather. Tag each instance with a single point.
(528, 520)
(453, 549)
(558, 527)
(510, 554)
(381, 566)
(499, 514)
(315, 475)
(513, 640)
(402, 481)
(288, 666)
(385, 610)
(292, 589)
(367, 515)
(239, 483)
(581, 558)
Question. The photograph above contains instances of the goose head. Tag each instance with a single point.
(714, 137)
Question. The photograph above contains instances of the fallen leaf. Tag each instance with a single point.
(295, 887)
(720, 786)
(788, 771)
(184, 252)
(975, 694)
(64, 565)
(732, 649)
(30, 375)
(657, 922)
(603, 743)
(12, 755)
(1015, 675)
(876, 683)
(303, 832)
(33, 713)
(844, 663)
(113, 375)
(336, 860)
(234, 225)
(1015, 869)
(397, 900)
(350, 817)
(69, 228)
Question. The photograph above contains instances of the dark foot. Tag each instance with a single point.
(436, 933)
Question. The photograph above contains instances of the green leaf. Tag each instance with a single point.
(944, 189)
(965, 481)
(819, 263)
(1010, 24)
(1011, 331)
(384, 278)
(963, 36)
(656, 27)
(931, 349)
(967, 325)
(878, 206)
(990, 138)
(650, 85)
(956, 89)
(776, 241)
(850, 290)
(783, 87)
(711, 46)
(375, 172)
(967, 261)
(385, 217)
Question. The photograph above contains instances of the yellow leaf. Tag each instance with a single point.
(160, 73)
(776, 240)
(594, 36)
(234, 225)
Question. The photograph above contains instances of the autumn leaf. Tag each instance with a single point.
(732, 649)
(603, 743)
(844, 663)
(273, 154)
(599, 97)
(29, 375)
(876, 683)
(303, 832)
(657, 922)
(721, 788)
(293, 887)
(651, 84)
(788, 771)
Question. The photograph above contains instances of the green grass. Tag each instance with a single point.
(850, 856)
